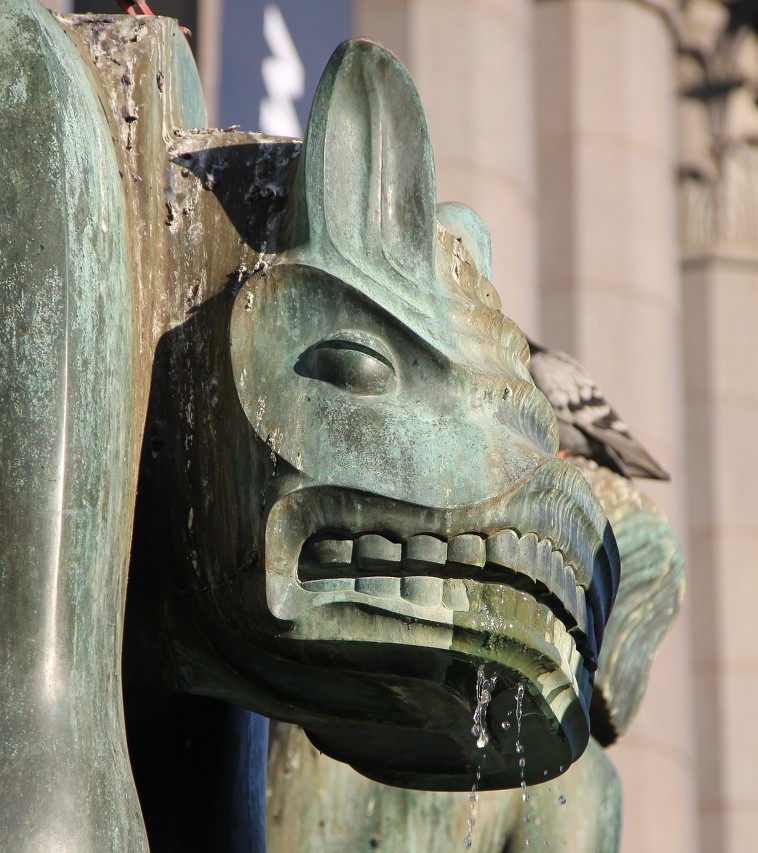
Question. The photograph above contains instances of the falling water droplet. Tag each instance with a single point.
(473, 800)
(505, 725)
(520, 747)
(561, 800)
(484, 688)
(470, 823)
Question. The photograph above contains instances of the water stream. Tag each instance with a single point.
(473, 800)
(519, 745)
(521, 753)
(484, 688)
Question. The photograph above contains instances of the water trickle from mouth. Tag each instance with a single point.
(484, 688)
(520, 746)
(471, 822)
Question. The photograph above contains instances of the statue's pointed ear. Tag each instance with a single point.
(367, 173)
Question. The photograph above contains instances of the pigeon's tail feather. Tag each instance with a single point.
(636, 460)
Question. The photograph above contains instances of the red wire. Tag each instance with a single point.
(129, 7)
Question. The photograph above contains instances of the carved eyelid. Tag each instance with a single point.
(352, 339)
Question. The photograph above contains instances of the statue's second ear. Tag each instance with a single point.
(368, 172)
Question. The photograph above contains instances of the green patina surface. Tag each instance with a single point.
(66, 372)
(348, 496)
(70, 396)
(316, 805)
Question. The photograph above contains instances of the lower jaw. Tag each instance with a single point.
(429, 667)
(435, 749)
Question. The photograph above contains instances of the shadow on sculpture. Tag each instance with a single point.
(348, 494)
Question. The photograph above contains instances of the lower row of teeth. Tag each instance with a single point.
(359, 563)
(424, 591)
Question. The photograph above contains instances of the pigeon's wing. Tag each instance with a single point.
(589, 425)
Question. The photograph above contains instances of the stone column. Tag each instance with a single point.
(721, 304)
(472, 65)
(718, 75)
(610, 294)
(63, 7)
(210, 14)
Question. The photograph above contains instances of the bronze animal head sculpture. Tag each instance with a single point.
(379, 510)
(348, 499)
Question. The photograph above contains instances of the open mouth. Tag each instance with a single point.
(328, 545)
(425, 570)
(408, 599)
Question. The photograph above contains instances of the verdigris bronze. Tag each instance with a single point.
(348, 492)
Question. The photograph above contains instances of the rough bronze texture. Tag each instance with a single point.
(283, 372)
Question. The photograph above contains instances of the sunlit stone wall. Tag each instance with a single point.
(610, 293)
(718, 75)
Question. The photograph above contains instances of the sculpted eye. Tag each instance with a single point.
(349, 360)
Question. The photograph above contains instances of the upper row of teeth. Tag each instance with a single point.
(527, 555)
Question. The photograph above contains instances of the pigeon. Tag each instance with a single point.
(588, 424)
